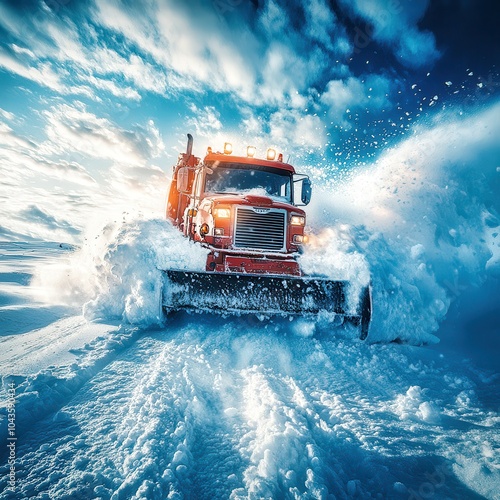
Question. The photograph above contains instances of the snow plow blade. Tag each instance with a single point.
(267, 295)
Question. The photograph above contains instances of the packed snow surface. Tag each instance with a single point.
(211, 409)
(113, 402)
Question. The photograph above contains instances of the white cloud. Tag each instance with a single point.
(154, 140)
(279, 73)
(22, 50)
(42, 73)
(38, 216)
(19, 155)
(173, 47)
(163, 34)
(288, 129)
(251, 125)
(417, 48)
(143, 75)
(61, 56)
(126, 155)
(74, 128)
(65, 39)
(45, 74)
(287, 77)
(354, 94)
(294, 61)
(197, 50)
(111, 87)
(37, 178)
(193, 43)
(205, 121)
(9, 139)
(274, 19)
(46, 210)
(293, 130)
(94, 60)
(166, 33)
(322, 26)
(139, 185)
(7, 115)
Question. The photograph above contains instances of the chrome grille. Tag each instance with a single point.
(260, 231)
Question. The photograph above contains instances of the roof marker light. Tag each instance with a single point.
(251, 151)
(228, 148)
(271, 154)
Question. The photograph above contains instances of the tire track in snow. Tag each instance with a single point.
(64, 364)
(219, 410)
(174, 422)
(282, 455)
(147, 426)
(318, 427)
(293, 437)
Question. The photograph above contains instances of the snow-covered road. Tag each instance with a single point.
(208, 407)
(204, 413)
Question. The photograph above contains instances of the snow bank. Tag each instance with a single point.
(425, 217)
(116, 274)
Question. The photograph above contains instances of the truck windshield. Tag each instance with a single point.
(234, 178)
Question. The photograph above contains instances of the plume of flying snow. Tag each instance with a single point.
(424, 217)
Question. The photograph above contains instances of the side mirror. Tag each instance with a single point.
(302, 190)
(305, 196)
(183, 180)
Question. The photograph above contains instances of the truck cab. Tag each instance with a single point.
(246, 210)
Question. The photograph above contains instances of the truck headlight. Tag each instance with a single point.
(222, 213)
(299, 238)
(219, 231)
(297, 220)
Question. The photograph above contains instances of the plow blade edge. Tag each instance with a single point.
(268, 295)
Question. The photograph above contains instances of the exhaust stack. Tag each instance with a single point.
(189, 149)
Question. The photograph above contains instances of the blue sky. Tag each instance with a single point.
(97, 96)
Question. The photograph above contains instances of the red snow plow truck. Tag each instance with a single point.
(246, 212)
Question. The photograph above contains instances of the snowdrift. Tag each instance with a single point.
(425, 217)
(116, 274)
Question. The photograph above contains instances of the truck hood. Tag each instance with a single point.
(251, 200)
